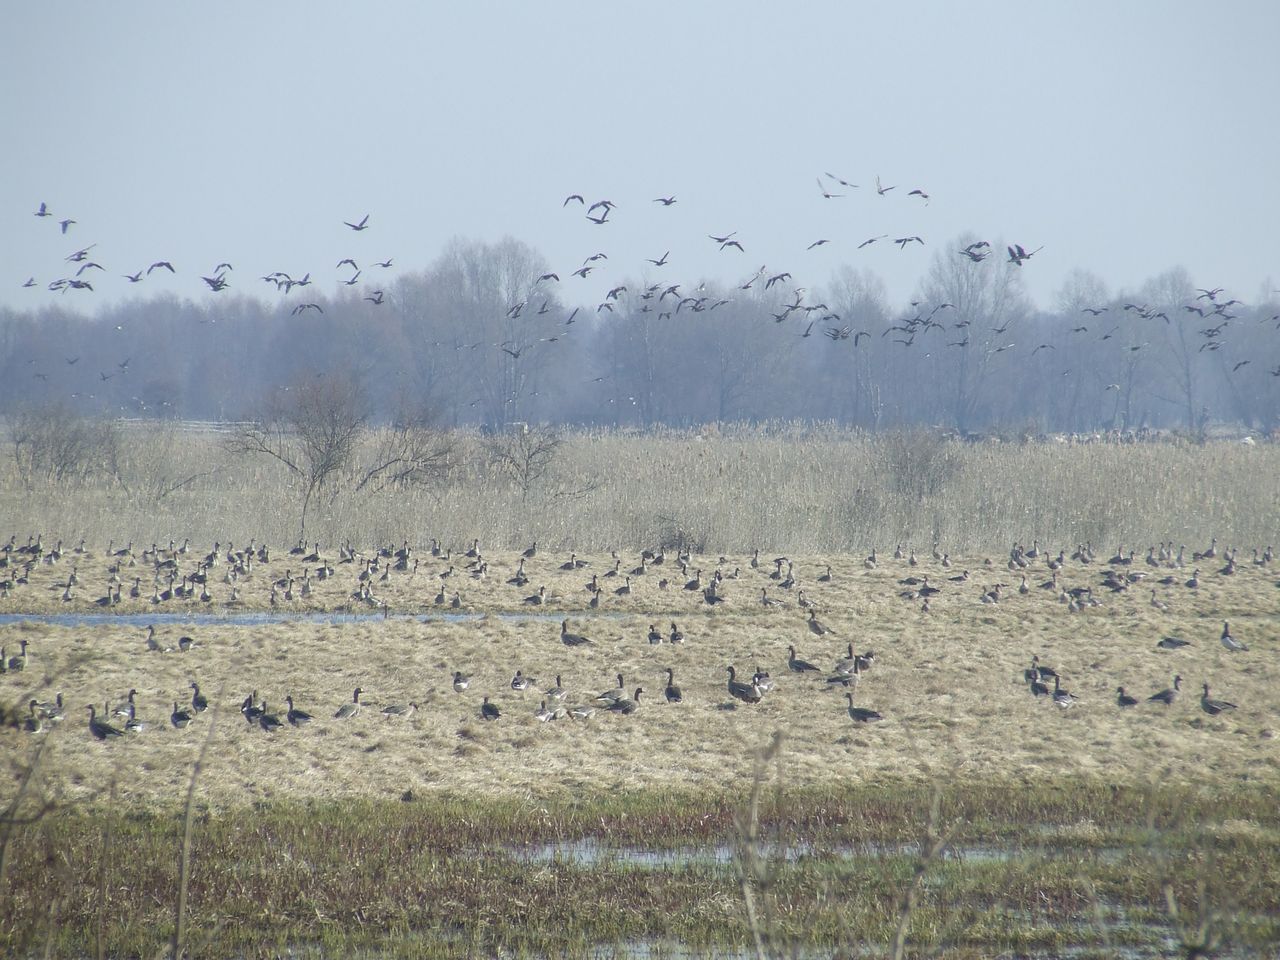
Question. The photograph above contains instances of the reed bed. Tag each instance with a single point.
(798, 489)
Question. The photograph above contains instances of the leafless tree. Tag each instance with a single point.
(311, 427)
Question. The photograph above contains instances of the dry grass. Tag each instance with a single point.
(795, 489)
(949, 683)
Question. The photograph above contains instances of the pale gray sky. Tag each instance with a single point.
(1126, 138)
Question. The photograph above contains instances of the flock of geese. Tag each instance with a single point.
(21, 563)
(665, 299)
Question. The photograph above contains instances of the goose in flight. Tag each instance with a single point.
(362, 225)
(661, 261)
(827, 195)
(867, 243)
(165, 264)
(1017, 254)
(43, 211)
(573, 196)
(65, 223)
(376, 299)
(665, 201)
(881, 189)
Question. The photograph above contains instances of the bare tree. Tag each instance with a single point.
(409, 453)
(311, 427)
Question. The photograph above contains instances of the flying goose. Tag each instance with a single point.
(349, 710)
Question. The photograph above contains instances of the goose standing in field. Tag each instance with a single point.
(537, 599)
(1213, 707)
(676, 635)
(296, 717)
(349, 710)
(609, 696)
(543, 714)
(401, 710)
(20, 661)
(34, 723)
(100, 728)
(672, 692)
(521, 682)
(1171, 643)
(133, 724)
(199, 702)
(627, 705)
(804, 666)
(250, 709)
(1124, 700)
(489, 711)
(570, 639)
(1062, 697)
(267, 720)
(815, 627)
(460, 681)
(181, 717)
(655, 637)
(1230, 642)
(1168, 694)
(558, 692)
(746, 692)
(861, 714)
(123, 709)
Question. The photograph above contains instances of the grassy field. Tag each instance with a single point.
(1093, 829)
(948, 681)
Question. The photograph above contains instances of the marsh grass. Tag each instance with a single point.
(794, 489)
(436, 877)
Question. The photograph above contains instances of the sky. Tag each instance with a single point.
(1124, 138)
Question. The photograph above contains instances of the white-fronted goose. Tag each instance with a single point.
(349, 710)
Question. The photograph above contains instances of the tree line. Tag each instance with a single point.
(482, 336)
